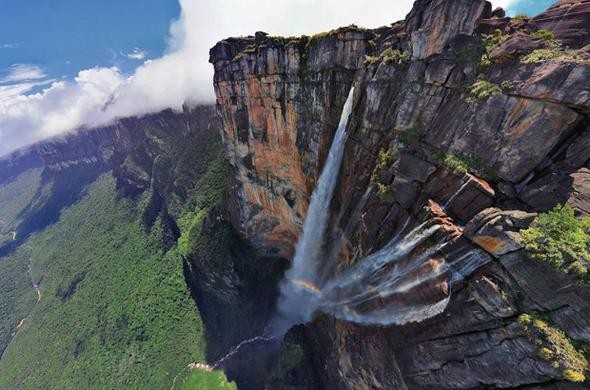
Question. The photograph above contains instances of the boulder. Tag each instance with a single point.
(405, 191)
(516, 46)
(498, 13)
(569, 20)
(432, 24)
(497, 231)
(413, 168)
(463, 196)
(563, 187)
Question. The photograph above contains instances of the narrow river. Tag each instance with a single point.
(37, 288)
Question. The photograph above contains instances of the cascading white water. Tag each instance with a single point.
(399, 283)
(408, 280)
(457, 193)
(234, 351)
(295, 303)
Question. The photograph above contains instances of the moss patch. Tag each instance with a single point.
(290, 358)
(389, 56)
(204, 380)
(555, 346)
(553, 53)
(461, 165)
(314, 39)
(384, 161)
(482, 90)
(562, 240)
(543, 34)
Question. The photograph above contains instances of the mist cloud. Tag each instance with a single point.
(100, 95)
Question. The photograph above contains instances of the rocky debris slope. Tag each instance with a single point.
(457, 104)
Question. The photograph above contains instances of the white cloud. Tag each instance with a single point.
(7, 92)
(502, 3)
(136, 54)
(8, 45)
(97, 96)
(60, 107)
(23, 72)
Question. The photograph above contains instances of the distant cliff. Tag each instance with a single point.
(153, 154)
(455, 95)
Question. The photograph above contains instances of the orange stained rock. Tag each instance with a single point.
(489, 244)
(253, 85)
(443, 286)
(452, 229)
(514, 132)
(482, 184)
(436, 209)
(434, 264)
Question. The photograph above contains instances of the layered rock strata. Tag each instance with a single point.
(456, 104)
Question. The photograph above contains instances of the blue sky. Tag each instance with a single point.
(528, 7)
(65, 36)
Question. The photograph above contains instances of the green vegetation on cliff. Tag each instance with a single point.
(555, 347)
(384, 191)
(17, 297)
(14, 198)
(481, 90)
(389, 56)
(562, 240)
(203, 380)
(115, 310)
(461, 165)
(290, 358)
(208, 190)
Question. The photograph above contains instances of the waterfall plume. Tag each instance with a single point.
(409, 279)
(297, 302)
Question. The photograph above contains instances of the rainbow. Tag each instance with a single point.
(351, 311)
(307, 285)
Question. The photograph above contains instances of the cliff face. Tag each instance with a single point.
(159, 154)
(457, 95)
(18, 162)
(174, 165)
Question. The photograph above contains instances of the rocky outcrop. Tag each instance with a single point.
(518, 45)
(276, 141)
(156, 154)
(488, 133)
(569, 20)
(496, 231)
(433, 24)
(85, 147)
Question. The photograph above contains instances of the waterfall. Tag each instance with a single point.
(457, 193)
(234, 351)
(295, 303)
(410, 279)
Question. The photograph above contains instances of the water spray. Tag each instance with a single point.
(409, 279)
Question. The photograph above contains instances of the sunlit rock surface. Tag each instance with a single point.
(419, 136)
